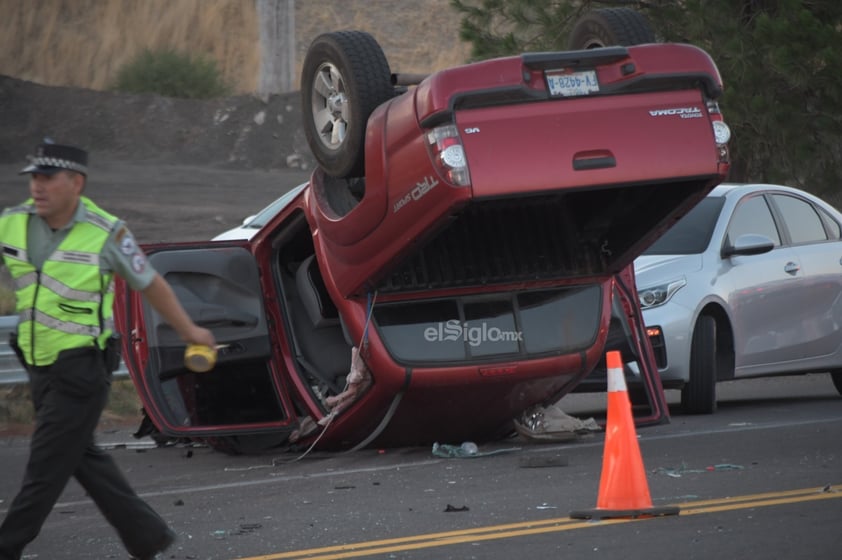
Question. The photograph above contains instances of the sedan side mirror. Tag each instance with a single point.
(749, 244)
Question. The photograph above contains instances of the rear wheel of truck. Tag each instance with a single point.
(608, 27)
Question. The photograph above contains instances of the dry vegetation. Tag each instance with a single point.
(16, 414)
(82, 43)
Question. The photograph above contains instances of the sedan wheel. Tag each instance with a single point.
(699, 394)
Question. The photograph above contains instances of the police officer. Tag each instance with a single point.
(63, 252)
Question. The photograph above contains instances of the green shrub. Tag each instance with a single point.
(172, 74)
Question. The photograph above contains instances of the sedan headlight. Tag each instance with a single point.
(660, 294)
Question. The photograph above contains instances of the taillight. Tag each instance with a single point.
(448, 155)
(721, 131)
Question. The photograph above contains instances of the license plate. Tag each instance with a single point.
(575, 83)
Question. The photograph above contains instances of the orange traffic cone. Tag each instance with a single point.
(623, 490)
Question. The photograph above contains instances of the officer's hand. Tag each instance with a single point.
(201, 335)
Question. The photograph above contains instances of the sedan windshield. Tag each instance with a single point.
(691, 234)
(265, 215)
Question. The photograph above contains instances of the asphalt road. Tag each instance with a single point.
(762, 478)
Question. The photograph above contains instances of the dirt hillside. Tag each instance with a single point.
(240, 131)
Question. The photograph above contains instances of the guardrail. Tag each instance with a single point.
(11, 372)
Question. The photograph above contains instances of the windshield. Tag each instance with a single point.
(264, 216)
(691, 234)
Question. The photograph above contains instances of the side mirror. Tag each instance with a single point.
(749, 244)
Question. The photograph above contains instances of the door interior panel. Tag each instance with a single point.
(220, 290)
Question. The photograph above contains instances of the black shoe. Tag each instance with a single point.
(166, 540)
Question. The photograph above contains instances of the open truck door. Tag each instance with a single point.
(641, 351)
(240, 405)
(629, 335)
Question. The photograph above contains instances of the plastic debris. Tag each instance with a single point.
(677, 472)
(550, 423)
(466, 450)
(469, 448)
(725, 467)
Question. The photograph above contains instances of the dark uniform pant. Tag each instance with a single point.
(69, 398)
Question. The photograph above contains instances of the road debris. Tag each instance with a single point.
(552, 424)
(540, 461)
(466, 450)
(678, 472)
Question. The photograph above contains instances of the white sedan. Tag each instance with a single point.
(748, 284)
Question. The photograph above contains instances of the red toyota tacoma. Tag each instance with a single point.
(453, 259)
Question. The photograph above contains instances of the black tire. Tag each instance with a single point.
(607, 27)
(698, 396)
(345, 76)
(836, 376)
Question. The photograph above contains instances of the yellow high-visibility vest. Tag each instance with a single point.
(69, 302)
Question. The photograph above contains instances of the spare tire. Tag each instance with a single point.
(607, 27)
(345, 76)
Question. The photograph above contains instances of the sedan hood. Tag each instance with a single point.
(651, 270)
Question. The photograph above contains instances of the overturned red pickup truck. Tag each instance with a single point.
(452, 261)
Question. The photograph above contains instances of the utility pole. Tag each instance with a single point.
(276, 19)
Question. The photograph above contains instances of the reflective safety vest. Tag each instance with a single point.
(69, 302)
